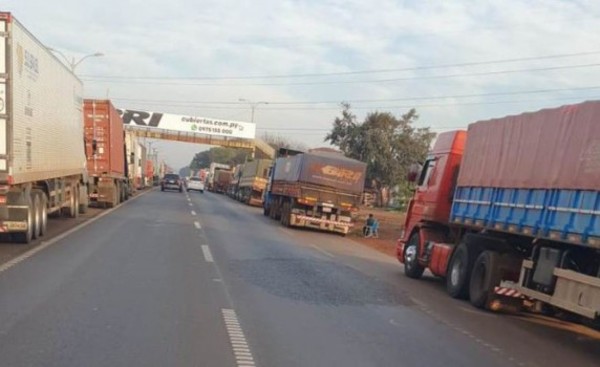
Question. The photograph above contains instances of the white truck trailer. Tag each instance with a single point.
(42, 154)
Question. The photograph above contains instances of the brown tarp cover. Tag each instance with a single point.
(551, 148)
(322, 168)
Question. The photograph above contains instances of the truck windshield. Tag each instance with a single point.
(426, 172)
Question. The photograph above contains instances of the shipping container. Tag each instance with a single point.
(104, 138)
(42, 153)
(105, 150)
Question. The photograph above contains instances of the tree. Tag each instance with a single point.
(219, 155)
(277, 141)
(185, 171)
(388, 144)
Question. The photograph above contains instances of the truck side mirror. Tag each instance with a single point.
(132, 158)
(94, 146)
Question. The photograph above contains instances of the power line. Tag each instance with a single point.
(337, 102)
(389, 80)
(372, 71)
(335, 108)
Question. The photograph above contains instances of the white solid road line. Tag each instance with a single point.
(207, 254)
(241, 351)
(45, 244)
(197, 225)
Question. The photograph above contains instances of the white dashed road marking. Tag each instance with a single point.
(190, 204)
(241, 350)
(193, 212)
(197, 225)
(207, 254)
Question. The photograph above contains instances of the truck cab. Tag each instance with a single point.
(430, 206)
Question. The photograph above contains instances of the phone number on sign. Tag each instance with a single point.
(211, 130)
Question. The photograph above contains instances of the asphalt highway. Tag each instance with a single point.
(190, 279)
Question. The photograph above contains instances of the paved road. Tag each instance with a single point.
(163, 281)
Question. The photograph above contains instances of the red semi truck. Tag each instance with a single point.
(105, 150)
(508, 212)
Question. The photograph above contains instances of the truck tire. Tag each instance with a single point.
(459, 272)
(73, 210)
(27, 236)
(43, 213)
(84, 199)
(412, 268)
(285, 214)
(36, 214)
(114, 200)
(486, 274)
(273, 210)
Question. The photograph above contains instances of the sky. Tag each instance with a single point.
(456, 62)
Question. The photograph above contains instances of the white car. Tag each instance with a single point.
(195, 183)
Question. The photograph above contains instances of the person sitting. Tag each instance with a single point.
(371, 227)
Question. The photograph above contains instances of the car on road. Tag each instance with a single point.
(171, 181)
(195, 184)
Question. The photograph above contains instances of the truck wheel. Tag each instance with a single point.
(459, 272)
(27, 236)
(412, 268)
(43, 213)
(485, 276)
(84, 199)
(114, 197)
(285, 214)
(36, 214)
(73, 209)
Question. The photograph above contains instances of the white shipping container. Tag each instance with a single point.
(41, 120)
(131, 142)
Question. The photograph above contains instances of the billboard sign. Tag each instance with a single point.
(188, 124)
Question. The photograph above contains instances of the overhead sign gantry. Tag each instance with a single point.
(192, 129)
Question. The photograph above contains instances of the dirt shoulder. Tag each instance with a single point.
(390, 226)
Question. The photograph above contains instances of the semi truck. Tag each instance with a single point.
(141, 157)
(253, 179)
(42, 152)
(222, 181)
(137, 158)
(105, 148)
(317, 190)
(131, 142)
(508, 212)
(210, 177)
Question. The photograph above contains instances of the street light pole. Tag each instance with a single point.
(72, 64)
(253, 106)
